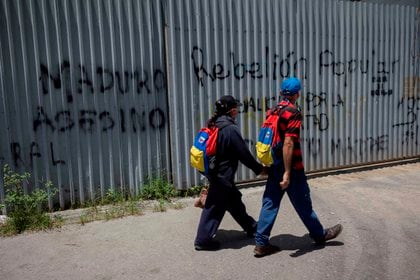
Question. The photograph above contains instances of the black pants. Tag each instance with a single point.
(220, 199)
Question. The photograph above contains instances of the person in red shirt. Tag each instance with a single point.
(288, 176)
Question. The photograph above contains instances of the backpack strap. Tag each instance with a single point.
(278, 110)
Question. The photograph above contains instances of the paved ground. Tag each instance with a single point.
(379, 210)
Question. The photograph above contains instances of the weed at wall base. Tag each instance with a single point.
(111, 211)
(158, 188)
(160, 206)
(25, 211)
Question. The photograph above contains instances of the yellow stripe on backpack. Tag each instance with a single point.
(264, 153)
(197, 159)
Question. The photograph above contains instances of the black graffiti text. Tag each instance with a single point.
(411, 107)
(320, 100)
(380, 88)
(335, 146)
(271, 66)
(90, 120)
(99, 80)
(329, 61)
(34, 152)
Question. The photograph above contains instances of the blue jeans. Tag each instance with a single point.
(299, 195)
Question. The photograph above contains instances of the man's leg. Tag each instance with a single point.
(270, 206)
(299, 194)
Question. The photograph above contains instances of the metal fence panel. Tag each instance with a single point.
(359, 63)
(83, 94)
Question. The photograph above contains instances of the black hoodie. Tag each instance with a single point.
(231, 148)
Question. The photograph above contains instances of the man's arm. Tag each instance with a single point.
(287, 159)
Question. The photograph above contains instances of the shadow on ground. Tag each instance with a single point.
(233, 239)
(301, 245)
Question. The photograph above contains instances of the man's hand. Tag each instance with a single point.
(286, 181)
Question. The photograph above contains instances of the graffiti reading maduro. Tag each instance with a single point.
(122, 82)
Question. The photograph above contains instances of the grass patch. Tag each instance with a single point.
(191, 192)
(111, 211)
(118, 204)
(177, 205)
(160, 206)
(158, 189)
(112, 196)
(30, 212)
(26, 211)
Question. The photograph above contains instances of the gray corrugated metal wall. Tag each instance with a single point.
(358, 62)
(102, 94)
(83, 94)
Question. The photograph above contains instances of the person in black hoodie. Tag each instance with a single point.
(223, 195)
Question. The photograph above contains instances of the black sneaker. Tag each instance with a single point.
(261, 251)
(330, 233)
(212, 245)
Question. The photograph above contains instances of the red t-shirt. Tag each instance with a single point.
(289, 124)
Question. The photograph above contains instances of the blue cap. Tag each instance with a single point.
(290, 86)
